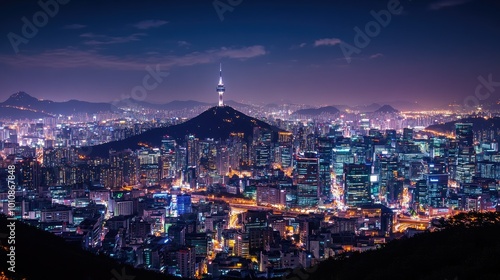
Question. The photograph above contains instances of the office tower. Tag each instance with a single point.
(201, 242)
(168, 167)
(183, 204)
(466, 158)
(308, 180)
(387, 166)
(186, 261)
(238, 151)
(261, 144)
(341, 155)
(285, 149)
(464, 134)
(407, 134)
(437, 184)
(192, 151)
(242, 244)
(123, 168)
(357, 184)
(208, 157)
(149, 172)
(325, 154)
(30, 173)
(421, 194)
(262, 155)
(438, 146)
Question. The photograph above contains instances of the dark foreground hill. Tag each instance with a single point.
(42, 255)
(216, 122)
(478, 124)
(459, 252)
(468, 248)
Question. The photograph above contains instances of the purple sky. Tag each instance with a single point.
(430, 52)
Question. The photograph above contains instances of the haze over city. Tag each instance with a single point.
(430, 52)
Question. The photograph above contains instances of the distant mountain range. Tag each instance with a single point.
(216, 122)
(387, 109)
(332, 110)
(22, 105)
(367, 108)
(328, 110)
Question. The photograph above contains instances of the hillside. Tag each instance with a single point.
(477, 125)
(466, 249)
(216, 122)
(42, 255)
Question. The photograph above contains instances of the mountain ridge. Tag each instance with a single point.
(216, 122)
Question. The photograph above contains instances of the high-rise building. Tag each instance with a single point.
(407, 134)
(466, 158)
(357, 184)
(464, 134)
(308, 180)
(168, 166)
(284, 151)
(193, 151)
(124, 168)
(325, 153)
(341, 155)
(30, 173)
(186, 260)
(437, 184)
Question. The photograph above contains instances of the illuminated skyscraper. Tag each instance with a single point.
(220, 87)
(325, 154)
(466, 159)
(308, 180)
(357, 184)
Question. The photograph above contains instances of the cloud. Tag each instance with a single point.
(299, 46)
(74, 26)
(327, 42)
(97, 39)
(377, 55)
(74, 58)
(147, 24)
(442, 4)
(183, 44)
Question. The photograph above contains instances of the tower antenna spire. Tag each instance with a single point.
(220, 87)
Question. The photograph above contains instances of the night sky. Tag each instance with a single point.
(430, 52)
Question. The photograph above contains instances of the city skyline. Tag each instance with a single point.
(298, 53)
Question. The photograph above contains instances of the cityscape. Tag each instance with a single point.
(262, 154)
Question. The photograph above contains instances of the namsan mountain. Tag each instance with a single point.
(218, 122)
